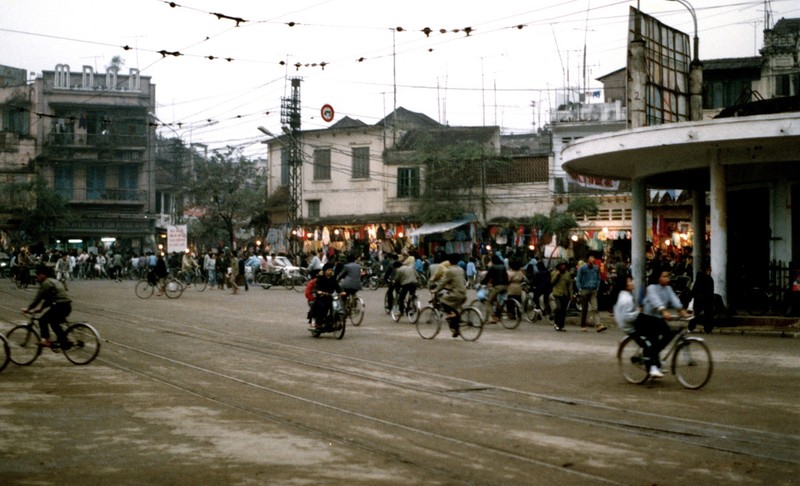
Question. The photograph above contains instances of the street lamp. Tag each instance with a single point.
(689, 7)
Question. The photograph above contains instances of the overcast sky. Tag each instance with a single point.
(517, 53)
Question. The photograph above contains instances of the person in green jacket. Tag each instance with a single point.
(52, 295)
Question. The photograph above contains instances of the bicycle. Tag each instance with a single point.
(411, 308)
(354, 309)
(173, 288)
(763, 300)
(429, 321)
(689, 358)
(511, 321)
(534, 311)
(5, 357)
(194, 278)
(25, 345)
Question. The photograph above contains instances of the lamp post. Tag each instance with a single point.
(696, 52)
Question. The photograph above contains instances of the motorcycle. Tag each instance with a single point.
(335, 321)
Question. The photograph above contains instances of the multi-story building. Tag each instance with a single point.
(17, 148)
(95, 146)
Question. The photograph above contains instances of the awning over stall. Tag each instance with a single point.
(430, 228)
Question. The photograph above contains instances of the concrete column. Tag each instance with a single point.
(719, 227)
(638, 236)
(698, 228)
(696, 91)
(637, 84)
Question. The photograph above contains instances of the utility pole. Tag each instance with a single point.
(290, 118)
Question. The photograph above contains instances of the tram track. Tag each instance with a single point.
(516, 402)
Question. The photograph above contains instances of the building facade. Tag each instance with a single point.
(95, 147)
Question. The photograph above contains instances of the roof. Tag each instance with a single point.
(448, 136)
(348, 122)
(786, 26)
(403, 116)
(753, 62)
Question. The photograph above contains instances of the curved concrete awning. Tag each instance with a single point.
(679, 154)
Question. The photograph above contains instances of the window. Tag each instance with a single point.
(95, 182)
(322, 164)
(128, 182)
(284, 167)
(361, 163)
(63, 182)
(15, 120)
(783, 85)
(408, 182)
(313, 208)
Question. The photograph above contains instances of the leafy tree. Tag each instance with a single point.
(561, 223)
(454, 180)
(229, 191)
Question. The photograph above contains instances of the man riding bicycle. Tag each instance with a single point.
(453, 281)
(350, 276)
(52, 295)
(406, 278)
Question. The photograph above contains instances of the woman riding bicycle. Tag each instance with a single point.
(52, 295)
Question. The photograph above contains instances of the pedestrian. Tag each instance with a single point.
(210, 264)
(221, 269)
(703, 295)
(233, 271)
(561, 281)
(588, 283)
(160, 273)
(542, 288)
(516, 278)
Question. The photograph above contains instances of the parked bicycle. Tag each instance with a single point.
(430, 319)
(173, 288)
(689, 358)
(82, 342)
(509, 320)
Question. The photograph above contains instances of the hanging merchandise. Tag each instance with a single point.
(326, 235)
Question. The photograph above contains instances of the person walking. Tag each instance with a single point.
(703, 295)
(588, 283)
(210, 264)
(234, 271)
(561, 280)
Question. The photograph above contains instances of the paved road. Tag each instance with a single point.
(221, 389)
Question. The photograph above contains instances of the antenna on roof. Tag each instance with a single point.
(767, 14)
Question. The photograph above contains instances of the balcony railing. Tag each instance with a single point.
(104, 196)
(108, 140)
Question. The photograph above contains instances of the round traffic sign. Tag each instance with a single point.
(327, 112)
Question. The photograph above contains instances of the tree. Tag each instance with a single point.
(454, 182)
(561, 223)
(228, 189)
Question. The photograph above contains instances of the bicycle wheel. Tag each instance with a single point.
(511, 321)
(84, 344)
(173, 288)
(482, 308)
(299, 283)
(357, 311)
(412, 309)
(339, 325)
(23, 342)
(386, 307)
(692, 364)
(374, 283)
(200, 282)
(428, 323)
(631, 361)
(5, 352)
(288, 282)
(532, 314)
(143, 289)
(471, 324)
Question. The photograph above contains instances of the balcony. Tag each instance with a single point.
(105, 196)
(95, 140)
